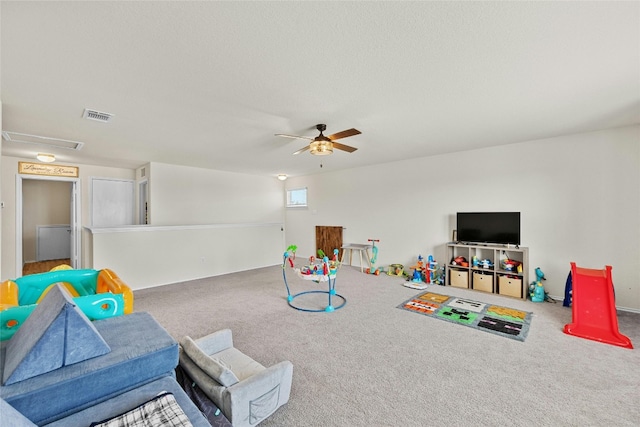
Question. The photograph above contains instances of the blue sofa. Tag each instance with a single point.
(139, 366)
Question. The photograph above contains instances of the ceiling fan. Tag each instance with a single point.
(323, 145)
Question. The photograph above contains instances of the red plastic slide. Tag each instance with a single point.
(594, 307)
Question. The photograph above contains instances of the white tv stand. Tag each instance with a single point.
(493, 278)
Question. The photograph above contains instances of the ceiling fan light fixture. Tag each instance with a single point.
(46, 157)
(321, 148)
(323, 145)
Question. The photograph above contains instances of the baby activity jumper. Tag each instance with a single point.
(317, 271)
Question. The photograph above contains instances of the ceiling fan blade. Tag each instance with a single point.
(302, 150)
(343, 147)
(344, 134)
(294, 136)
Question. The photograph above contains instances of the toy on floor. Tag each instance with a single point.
(431, 270)
(422, 273)
(98, 293)
(374, 258)
(395, 270)
(417, 270)
(594, 308)
(536, 290)
(436, 272)
(322, 270)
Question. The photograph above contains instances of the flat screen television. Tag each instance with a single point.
(489, 227)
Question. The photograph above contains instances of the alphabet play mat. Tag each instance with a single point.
(496, 319)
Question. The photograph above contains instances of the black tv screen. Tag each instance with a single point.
(489, 227)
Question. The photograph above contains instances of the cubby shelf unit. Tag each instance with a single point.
(491, 277)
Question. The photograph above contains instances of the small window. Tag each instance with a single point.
(297, 198)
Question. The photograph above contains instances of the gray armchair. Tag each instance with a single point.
(245, 391)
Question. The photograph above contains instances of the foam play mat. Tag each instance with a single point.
(496, 319)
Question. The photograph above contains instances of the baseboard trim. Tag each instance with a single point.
(620, 308)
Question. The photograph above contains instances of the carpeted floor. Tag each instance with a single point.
(371, 364)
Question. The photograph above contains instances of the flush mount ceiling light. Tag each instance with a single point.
(46, 158)
(282, 176)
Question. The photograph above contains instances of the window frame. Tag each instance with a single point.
(290, 205)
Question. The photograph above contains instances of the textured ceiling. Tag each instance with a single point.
(208, 84)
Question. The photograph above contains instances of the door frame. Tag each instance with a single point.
(74, 220)
(143, 199)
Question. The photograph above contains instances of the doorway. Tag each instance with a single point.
(143, 203)
(48, 206)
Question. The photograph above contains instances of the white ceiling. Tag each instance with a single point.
(208, 84)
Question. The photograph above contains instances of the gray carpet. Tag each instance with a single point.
(370, 364)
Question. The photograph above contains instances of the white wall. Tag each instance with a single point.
(202, 223)
(146, 256)
(182, 195)
(579, 196)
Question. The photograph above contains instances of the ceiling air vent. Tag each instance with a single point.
(24, 138)
(98, 116)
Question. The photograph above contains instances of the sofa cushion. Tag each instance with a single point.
(214, 367)
(141, 351)
(239, 363)
(56, 334)
(10, 417)
(212, 388)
